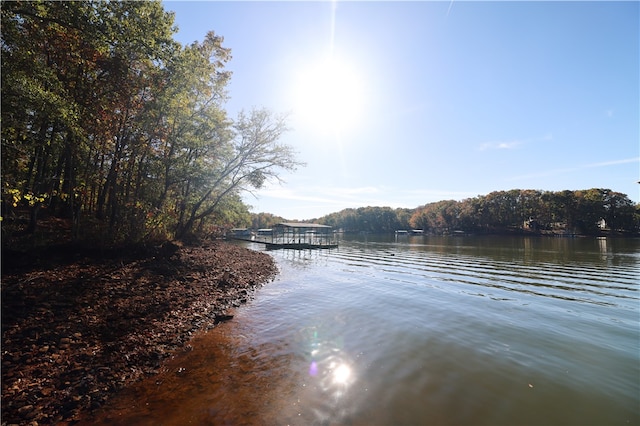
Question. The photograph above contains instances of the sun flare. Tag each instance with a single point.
(329, 95)
(341, 374)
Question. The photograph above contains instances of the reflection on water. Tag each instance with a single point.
(330, 376)
(457, 330)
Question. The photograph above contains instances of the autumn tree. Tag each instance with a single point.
(501, 211)
(75, 76)
(619, 211)
(439, 217)
(250, 157)
(265, 220)
(107, 119)
(187, 131)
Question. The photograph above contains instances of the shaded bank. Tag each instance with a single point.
(78, 326)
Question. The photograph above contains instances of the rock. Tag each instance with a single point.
(27, 412)
(221, 317)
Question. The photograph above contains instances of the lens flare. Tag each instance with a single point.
(313, 369)
(341, 374)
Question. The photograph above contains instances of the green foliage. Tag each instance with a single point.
(501, 211)
(111, 124)
(265, 220)
(105, 116)
(367, 219)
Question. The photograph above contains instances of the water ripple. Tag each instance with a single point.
(580, 283)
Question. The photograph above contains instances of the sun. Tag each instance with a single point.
(329, 95)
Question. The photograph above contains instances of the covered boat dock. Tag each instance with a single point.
(296, 235)
(301, 236)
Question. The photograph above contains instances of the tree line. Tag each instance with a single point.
(108, 122)
(111, 124)
(584, 211)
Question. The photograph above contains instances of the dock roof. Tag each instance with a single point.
(302, 225)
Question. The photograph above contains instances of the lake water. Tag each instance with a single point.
(390, 330)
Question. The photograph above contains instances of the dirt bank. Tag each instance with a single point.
(77, 326)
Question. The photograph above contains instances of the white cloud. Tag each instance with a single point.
(512, 144)
(554, 172)
(294, 195)
(612, 163)
(500, 145)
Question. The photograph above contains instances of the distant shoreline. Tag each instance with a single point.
(523, 233)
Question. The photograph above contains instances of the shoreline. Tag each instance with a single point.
(78, 327)
(224, 379)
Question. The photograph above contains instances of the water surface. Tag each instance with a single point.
(392, 330)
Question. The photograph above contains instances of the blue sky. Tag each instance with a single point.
(428, 101)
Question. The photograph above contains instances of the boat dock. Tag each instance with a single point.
(293, 235)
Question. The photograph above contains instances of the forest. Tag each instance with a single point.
(115, 129)
(592, 211)
(119, 134)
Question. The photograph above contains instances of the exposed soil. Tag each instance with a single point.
(78, 325)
